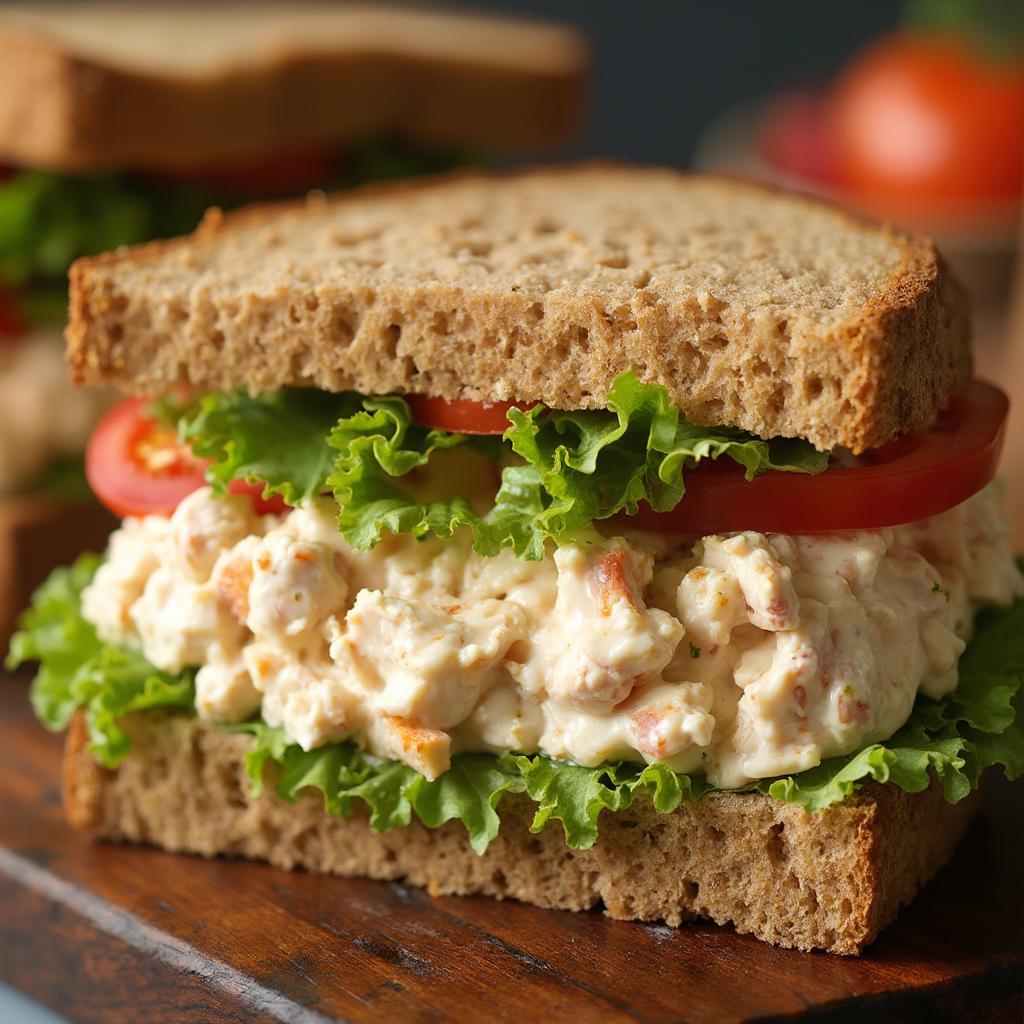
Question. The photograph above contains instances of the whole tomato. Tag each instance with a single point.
(922, 120)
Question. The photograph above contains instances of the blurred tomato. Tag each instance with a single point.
(795, 138)
(921, 120)
(12, 324)
(282, 173)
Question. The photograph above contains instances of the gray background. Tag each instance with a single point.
(665, 68)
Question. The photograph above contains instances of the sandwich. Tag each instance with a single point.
(122, 123)
(595, 535)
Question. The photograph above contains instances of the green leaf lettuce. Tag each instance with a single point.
(381, 444)
(559, 471)
(278, 439)
(78, 671)
(576, 468)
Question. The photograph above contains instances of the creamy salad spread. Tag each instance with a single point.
(42, 417)
(745, 656)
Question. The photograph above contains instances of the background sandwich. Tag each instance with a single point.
(657, 506)
(120, 123)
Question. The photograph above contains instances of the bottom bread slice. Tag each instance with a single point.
(828, 881)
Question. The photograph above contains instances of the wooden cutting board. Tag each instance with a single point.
(112, 934)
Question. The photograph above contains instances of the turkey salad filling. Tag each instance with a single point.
(739, 657)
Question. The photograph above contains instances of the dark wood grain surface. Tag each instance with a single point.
(103, 933)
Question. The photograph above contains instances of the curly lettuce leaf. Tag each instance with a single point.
(954, 739)
(577, 796)
(979, 725)
(563, 471)
(577, 467)
(278, 439)
(298, 442)
(78, 671)
(468, 792)
(381, 444)
(593, 465)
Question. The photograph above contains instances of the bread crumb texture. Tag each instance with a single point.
(755, 308)
(828, 881)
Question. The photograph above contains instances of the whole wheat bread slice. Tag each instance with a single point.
(756, 308)
(828, 881)
(189, 84)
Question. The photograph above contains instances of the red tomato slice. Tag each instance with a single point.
(137, 466)
(915, 477)
(283, 173)
(461, 415)
(274, 505)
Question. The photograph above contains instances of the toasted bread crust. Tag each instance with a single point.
(755, 308)
(81, 778)
(72, 106)
(827, 881)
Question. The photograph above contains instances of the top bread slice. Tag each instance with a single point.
(755, 308)
(183, 85)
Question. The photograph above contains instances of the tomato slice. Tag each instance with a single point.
(461, 415)
(912, 478)
(282, 173)
(274, 505)
(137, 466)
